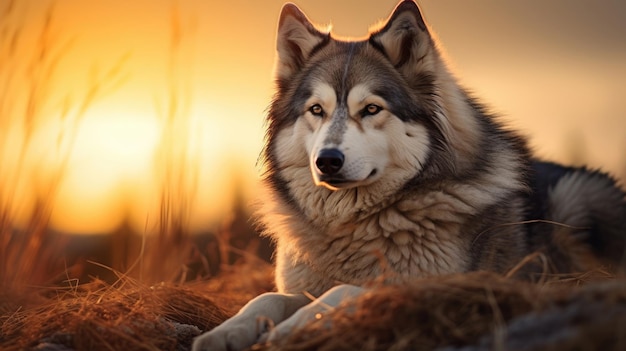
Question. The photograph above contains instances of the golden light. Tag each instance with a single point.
(114, 147)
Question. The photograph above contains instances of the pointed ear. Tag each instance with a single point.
(297, 38)
(404, 37)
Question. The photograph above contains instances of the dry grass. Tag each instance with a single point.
(100, 317)
(126, 315)
(476, 311)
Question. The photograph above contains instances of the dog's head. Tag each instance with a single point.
(356, 111)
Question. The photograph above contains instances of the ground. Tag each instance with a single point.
(476, 311)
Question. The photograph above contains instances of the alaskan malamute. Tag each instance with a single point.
(379, 164)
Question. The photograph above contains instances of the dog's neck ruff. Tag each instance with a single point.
(356, 235)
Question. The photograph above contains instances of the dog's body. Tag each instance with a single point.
(380, 164)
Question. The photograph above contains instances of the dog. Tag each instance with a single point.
(379, 164)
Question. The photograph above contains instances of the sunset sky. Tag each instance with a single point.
(554, 69)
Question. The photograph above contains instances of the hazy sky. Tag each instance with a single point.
(554, 69)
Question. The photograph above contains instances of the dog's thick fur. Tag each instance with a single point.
(380, 164)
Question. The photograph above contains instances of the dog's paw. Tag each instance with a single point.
(228, 336)
(253, 320)
(313, 311)
(301, 318)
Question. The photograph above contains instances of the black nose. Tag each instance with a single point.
(329, 161)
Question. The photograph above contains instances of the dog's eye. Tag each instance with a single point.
(371, 110)
(317, 110)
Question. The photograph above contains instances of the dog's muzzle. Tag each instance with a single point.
(332, 171)
(328, 165)
(329, 161)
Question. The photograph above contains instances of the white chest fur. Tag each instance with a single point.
(415, 236)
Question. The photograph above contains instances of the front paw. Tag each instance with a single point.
(313, 311)
(232, 335)
(245, 328)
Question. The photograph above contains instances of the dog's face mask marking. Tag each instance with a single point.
(354, 136)
(349, 145)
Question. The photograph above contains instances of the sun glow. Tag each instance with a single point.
(113, 147)
(123, 114)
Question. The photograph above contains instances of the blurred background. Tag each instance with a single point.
(130, 130)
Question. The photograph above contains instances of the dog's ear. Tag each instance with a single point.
(297, 38)
(404, 37)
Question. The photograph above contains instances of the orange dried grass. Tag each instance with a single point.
(473, 311)
(126, 315)
(97, 316)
